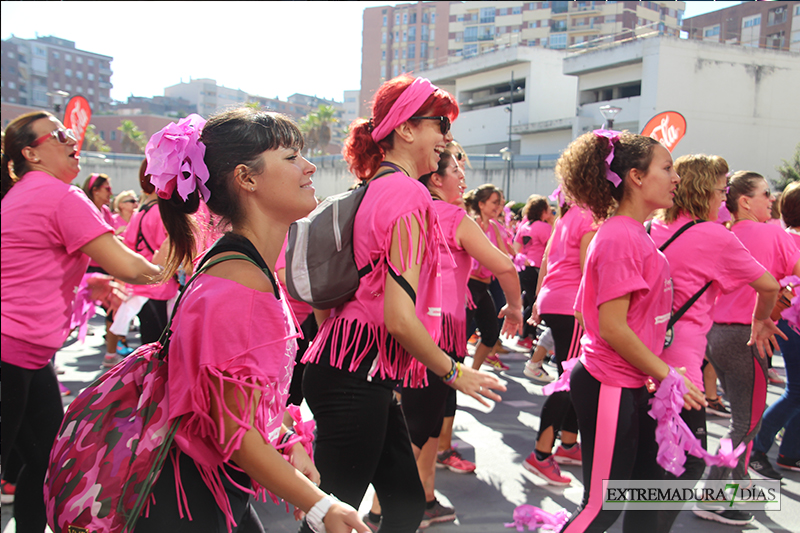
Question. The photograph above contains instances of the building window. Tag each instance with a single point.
(79, 74)
(712, 31)
(113, 135)
(394, 71)
(470, 34)
(383, 71)
(79, 59)
(413, 18)
(423, 33)
(485, 33)
(405, 18)
(777, 16)
(385, 20)
(90, 62)
(396, 53)
(423, 50)
(68, 72)
(102, 134)
(38, 51)
(412, 33)
(433, 35)
(470, 50)
(397, 19)
(433, 18)
(752, 21)
(795, 36)
(404, 53)
(405, 36)
(90, 90)
(558, 41)
(68, 57)
(516, 10)
(12, 85)
(383, 38)
(425, 18)
(503, 11)
(68, 87)
(412, 51)
(395, 36)
(56, 55)
(776, 40)
(487, 15)
(383, 54)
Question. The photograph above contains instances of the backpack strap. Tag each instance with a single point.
(690, 302)
(405, 285)
(676, 234)
(139, 234)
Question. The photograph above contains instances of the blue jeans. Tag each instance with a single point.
(785, 412)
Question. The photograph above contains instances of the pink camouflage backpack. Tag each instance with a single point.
(113, 441)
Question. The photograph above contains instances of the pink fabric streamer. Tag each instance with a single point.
(534, 517)
(557, 196)
(304, 432)
(612, 136)
(175, 158)
(520, 262)
(562, 383)
(94, 289)
(404, 107)
(674, 437)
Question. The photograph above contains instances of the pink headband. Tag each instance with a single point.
(404, 107)
(612, 136)
(92, 179)
(174, 151)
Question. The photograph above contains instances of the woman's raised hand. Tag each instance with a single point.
(479, 385)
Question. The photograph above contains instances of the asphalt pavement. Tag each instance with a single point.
(497, 439)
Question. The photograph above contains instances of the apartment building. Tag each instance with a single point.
(774, 25)
(37, 72)
(417, 37)
(207, 95)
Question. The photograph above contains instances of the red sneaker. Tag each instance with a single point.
(7, 491)
(547, 470)
(570, 456)
(453, 461)
(525, 344)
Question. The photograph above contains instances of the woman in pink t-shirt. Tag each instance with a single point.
(624, 301)
(49, 228)
(368, 344)
(233, 335)
(705, 257)
(530, 240)
(485, 203)
(742, 367)
(559, 278)
(125, 204)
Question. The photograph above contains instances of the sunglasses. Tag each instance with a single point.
(129, 201)
(444, 123)
(62, 135)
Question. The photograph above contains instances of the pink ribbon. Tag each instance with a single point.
(175, 159)
(533, 517)
(404, 107)
(557, 196)
(674, 437)
(520, 262)
(562, 383)
(94, 289)
(612, 136)
(303, 432)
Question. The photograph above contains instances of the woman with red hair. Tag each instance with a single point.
(388, 332)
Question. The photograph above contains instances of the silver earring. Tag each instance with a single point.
(252, 188)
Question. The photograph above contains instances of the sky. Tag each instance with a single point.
(264, 48)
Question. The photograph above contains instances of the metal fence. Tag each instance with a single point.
(477, 161)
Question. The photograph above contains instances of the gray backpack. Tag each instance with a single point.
(321, 267)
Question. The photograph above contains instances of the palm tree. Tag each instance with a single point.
(326, 114)
(92, 141)
(134, 140)
(309, 126)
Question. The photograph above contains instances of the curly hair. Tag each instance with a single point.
(474, 197)
(362, 153)
(790, 205)
(582, 169)
(699, 174)
(741, 183)
(535, 207)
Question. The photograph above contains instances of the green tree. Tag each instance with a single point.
(134, 140)
(326, 115)
(309, 127)
(789, 171)
(253, 105)
(93, 142)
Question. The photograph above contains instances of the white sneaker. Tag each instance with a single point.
(111, 360)
(537, 373)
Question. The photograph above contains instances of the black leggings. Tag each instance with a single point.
(425, 408)
(31, 412)
(309, 328)
(557, 411)
(528, 279)
(362, 438)
(485, 313)
(618, 441)
(207, 517)
(153, 319)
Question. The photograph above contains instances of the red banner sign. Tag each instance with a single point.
(77, 117)
(668, 128)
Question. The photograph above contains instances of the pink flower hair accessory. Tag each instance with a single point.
(557, 196)
(175, 159)
(612, 136)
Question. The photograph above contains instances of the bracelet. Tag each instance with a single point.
(454, 374)
(315, 517)
(286, 436)
(453, 370)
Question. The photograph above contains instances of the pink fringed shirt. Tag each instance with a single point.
(455, 275)
(224, 332)
(390, 204)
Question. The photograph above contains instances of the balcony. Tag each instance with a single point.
(105, 71)
(104, 85)
(585, 8)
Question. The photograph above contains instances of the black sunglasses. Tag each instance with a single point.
(444, 122)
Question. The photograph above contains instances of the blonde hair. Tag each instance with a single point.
(124, 195)
(699, 174)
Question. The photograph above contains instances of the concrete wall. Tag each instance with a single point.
(122, 169)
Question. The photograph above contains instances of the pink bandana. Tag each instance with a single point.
(404, 107)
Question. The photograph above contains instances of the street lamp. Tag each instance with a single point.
(506, 152)
(609, 112)
(58, 99)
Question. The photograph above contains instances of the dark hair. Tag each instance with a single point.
(89, 186)
(483, 193)
(362, 153)
(790, 205)
(582, 169)
(699, 174)
(535, 207)
(741, 183)
(444, 161)
(18, 135)
(231, 138)
(144, 179)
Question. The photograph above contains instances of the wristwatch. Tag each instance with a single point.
(315, 516)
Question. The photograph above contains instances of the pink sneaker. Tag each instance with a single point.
(494, 360)
(547, 470)
(572, 456)
(453, 461)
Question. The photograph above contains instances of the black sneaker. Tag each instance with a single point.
(436, 514)
(716, 407)
(731, 517)
(760, 465)
(788, 463)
